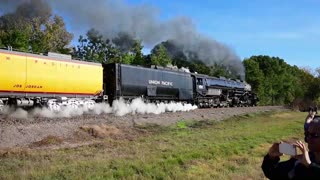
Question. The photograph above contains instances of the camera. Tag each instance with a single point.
(289, 149)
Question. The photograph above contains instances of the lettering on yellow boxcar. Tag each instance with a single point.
(17, 86)
(33, 86)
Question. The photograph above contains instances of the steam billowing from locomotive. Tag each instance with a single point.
(140, 21)
(119, 108)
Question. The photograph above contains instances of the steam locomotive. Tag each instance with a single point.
(55, 80)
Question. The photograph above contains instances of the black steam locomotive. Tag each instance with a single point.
(165, 85)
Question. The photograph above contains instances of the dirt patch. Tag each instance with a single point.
(7, 152)
(101, 131)
(49, 140)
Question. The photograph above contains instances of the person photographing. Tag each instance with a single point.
(302, 166)
(312, 112)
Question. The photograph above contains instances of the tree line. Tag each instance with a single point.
(38, 30)
(278, 83)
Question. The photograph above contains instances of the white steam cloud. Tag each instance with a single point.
(119, 108)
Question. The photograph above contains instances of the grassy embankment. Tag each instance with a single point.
(232, 149)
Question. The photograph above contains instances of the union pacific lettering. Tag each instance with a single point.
(164, 83)
(167, 83)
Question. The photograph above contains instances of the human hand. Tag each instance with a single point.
(274, 151)
(312, 113)
(304, 158)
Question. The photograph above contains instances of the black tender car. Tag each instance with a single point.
(130, 82)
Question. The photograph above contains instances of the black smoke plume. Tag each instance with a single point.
(143, 22)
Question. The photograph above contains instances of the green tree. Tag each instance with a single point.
(56, 37)
(33, 27)
(277, 83)
(199, 67)
(220, 70)
(15, 32)
(159, 56)
(137, 52)
(96, 48)
(121, 49)
(127, 58)
(254, 74)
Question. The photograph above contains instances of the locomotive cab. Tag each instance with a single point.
(200, 85)
(204, 95)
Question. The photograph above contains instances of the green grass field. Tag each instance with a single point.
(230, 149)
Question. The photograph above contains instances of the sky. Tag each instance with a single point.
(289, 29)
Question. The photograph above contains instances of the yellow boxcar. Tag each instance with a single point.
(25, 74)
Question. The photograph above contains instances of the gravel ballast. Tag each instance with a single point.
(15, 132)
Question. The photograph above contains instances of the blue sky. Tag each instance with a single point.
(289, 29)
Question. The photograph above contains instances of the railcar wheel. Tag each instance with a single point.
(73, 106)
(1, 108)
(53, 106)
(89, 104)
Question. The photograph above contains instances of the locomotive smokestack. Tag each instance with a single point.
(111, 17)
